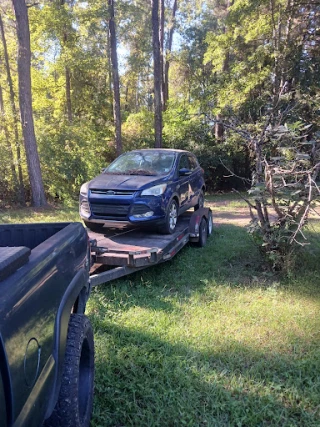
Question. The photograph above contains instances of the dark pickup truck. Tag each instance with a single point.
(46, 341)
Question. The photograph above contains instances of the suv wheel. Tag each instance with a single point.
(200, 203)
(171, 219)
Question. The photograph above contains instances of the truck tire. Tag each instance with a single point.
(74, 406)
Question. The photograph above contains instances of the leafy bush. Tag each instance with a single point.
(283, 192)
(226, 164)
(70, 157)
(137, 131)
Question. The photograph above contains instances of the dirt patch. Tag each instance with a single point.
(240, 215)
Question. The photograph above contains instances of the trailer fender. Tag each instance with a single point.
(195, 221)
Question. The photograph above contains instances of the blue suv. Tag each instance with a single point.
(144, 187)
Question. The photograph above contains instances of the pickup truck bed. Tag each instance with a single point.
(44, 286)
(11, 259)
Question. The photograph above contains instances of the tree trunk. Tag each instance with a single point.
(161, 42)
(115, 78)
(68, 95)
(157, 73)
(25, 101)
(21, 193)
(67, 74)
(9, 147)
(109, 72)
(275, 46)
(167, 59)
(218, 128)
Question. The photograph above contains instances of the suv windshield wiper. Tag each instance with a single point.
(140, 172)
(131, 172)
(113, 173)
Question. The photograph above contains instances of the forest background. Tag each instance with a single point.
(228, 71)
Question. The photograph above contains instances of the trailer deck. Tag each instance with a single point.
(116, 253)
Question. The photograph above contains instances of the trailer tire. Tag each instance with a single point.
(203, 233)
(74, 406)
(210, 223)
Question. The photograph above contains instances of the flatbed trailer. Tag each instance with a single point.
(116, 253)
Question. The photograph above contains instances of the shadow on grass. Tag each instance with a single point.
(142, 380)
(155, 378)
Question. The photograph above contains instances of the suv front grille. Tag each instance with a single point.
(112, 212)
(113, 192)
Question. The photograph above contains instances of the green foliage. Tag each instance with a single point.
(217, 158)
(226, 167)
(70, 157)
(138, 130)
(233, 59)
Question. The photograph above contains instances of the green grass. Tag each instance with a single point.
(208, 339)
(48, 214)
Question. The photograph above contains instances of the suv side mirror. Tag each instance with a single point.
(184, 172)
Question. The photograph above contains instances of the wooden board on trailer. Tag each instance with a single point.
(117, 253)
(114, 246)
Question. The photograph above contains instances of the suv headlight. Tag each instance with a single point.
(84, 189)
(157, 190)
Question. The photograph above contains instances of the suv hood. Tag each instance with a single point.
(124, 182)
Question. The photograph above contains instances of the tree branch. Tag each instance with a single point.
(233, 174)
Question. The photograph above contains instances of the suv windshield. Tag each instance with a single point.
(142, 163)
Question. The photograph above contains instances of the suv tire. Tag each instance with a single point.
(200, 203)
(171, 219)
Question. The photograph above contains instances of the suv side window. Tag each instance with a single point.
(184, 162)
(193, 162)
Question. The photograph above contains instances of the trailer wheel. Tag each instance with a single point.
(203, 233)
(74, 406)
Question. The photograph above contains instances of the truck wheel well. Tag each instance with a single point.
(80, 303)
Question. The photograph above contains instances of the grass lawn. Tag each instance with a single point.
(207, 339)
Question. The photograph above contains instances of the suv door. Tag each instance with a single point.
(196, 179)
(184, 183)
